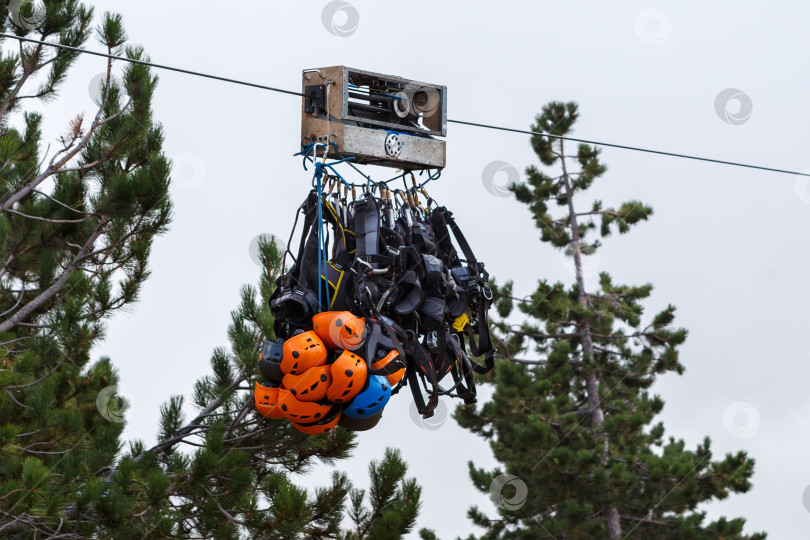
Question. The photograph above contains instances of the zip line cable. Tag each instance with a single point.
(462, 122)
(637, 149)
(151, 64)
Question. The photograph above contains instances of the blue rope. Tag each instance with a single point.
(318, 175)
(308, 148)
(322, 263)
(434, 176)
(310, 154)
(368, 178)
(331, 167)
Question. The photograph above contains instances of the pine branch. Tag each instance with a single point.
(51, 291)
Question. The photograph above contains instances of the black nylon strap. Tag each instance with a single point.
(393, 329)
(462, 372)
(307, 260)
(441, 354)
(420, 366)
(367, 229)
(389, 369)
(409, 293)
(489, 357)
(484, 343)
(307, 246)
(446, 251)
(466, 368)
(447, 216)
(310, 213)
(391, 342)
(292, 288)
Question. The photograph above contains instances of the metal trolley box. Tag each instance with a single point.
(373, 118)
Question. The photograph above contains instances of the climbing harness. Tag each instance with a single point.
(384, 291)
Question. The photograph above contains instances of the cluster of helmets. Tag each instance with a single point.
(317, 379)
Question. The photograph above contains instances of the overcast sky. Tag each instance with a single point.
(726, 245)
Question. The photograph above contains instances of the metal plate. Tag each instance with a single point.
(368, 145)
(393, 146)
(314, 98)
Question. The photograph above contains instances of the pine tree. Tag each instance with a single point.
(571, 418)
(238, 479)
(394, 502)
(77, 219)
(76, 228)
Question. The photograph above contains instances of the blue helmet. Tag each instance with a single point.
(371, 400)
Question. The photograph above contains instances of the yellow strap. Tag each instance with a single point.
(337, 286)
(461, 322)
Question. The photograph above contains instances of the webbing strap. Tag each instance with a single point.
(374, 339)
(293, 301)
(447, 217)
(489, 355)
(484, 343)
(309, 242)
(420, 365)
(410, 294)
(463, 373)
(367, 229)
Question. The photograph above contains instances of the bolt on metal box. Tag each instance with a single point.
(374, 118)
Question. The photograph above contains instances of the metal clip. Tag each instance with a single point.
(432, 339)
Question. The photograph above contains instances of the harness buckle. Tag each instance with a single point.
(432, 339)
(460, 322)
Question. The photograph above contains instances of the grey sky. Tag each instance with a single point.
(725, 245)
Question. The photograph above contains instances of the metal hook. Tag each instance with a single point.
(318, 71)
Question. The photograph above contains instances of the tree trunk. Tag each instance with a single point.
(596, 414)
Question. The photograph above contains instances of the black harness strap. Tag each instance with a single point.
(407, 268)
(489, 356)
(367, 229)
(484, 343)
(420, 366)
(293, 301)
(443, 218)
(409, 294)
(463, 372)
(390, 342)
(447, 218)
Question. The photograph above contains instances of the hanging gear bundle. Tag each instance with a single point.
(384, 292)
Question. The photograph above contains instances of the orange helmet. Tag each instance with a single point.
(349, 374)
(394, 377)
(266, 399)
(302, 352)
(301, 411)
(322, 426)
(339, 329)
(310, 385)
